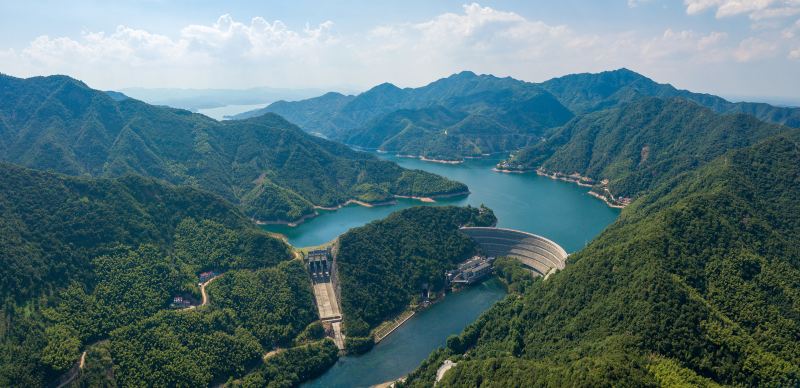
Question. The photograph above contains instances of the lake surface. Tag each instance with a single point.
(219, 113)
(561, 211)
(403, 350)
(558, 210)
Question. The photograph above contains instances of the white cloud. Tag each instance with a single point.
(636, 3)
(231, 53)
(755, 9)
(684, 44)
(795, 54)
(754, 49)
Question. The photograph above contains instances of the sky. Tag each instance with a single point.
(738, 48)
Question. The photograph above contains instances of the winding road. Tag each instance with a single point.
(203, 293)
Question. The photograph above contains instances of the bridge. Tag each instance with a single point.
(539, 254)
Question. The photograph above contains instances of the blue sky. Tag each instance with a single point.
(727, 47)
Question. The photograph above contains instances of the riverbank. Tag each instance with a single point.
(383, 331)
(408, 345)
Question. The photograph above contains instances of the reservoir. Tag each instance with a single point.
(220, 113)
(558, 210)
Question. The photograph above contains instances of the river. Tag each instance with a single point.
(561, 211)
(403, 350)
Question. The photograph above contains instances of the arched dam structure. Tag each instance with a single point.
(535, 252)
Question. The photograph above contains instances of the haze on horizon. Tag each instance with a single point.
(726, 47)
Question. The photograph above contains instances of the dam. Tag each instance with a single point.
(539, 254)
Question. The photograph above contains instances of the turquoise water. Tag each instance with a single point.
(403, 350)
(560, 211)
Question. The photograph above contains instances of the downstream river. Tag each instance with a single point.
(403, 350)
(561, 211)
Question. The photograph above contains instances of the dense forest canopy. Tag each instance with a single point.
(638, 145)
(385, 264)
(695, 284)
(93, 264)
(268, 166)
(588, 92)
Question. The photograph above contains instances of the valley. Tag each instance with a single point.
(114, 208)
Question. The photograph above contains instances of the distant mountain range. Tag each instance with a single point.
(196, 99)
(462, 115)
(269, 167)
(472, 115)
(586, 92)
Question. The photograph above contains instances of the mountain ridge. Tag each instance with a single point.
(279, 171)
(524, 112)
(694, 284)
(521, 111)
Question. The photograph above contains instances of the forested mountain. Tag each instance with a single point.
(461, 115)
(88, 260)
(695, 284)
(587, 92)
(470, 115)
(269, 167)
(636, 146)
(384, 265)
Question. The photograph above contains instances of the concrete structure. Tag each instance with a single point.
(321, 268)
(471, 271)
(319, 264)
(541, 255)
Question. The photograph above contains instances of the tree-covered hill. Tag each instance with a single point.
(461, 115)
(269, 167)
(385, 264)
(588, 92)
(695, 284)
(92, 264)
(636, 146)
(53, 225)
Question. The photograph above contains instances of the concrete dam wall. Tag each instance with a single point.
(535, 252)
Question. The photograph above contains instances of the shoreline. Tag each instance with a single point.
(604, 199)
(396, 325)
(288, 223)
(354, 201)
(575, 179)
(443, 161)
(292, 224)
(505, 171)
(425, 159)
